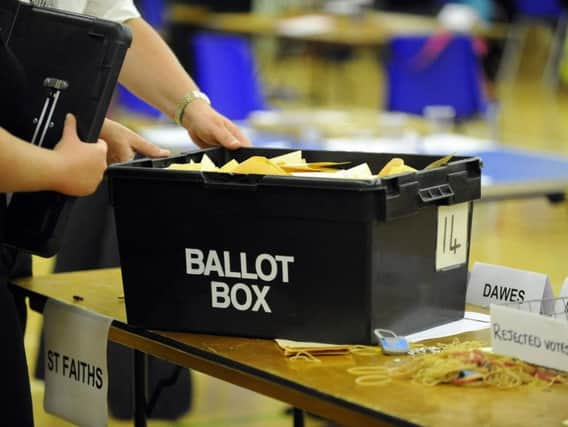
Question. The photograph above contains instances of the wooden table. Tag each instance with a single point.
(322, 388)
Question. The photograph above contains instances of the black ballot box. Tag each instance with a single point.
(301, 258)
(69, 63)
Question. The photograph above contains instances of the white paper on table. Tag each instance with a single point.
(454, 143)
(472, 321)
(305, 25)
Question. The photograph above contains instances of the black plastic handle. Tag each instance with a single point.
(223, 181)
(436, 193)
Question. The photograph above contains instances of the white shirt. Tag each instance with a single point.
(113, 10)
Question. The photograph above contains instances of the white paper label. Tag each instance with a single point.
(532, 337)
(564, 289)
(452, 240)
(498, 284)
(561, 304)
(76, 375)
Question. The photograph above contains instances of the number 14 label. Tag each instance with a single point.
(452, 240)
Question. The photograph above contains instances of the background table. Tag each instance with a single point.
(371, 29)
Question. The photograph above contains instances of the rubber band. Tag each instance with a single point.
(373, 380)
(305, 355)
(460, 364)
(365, 350)
(368, 370)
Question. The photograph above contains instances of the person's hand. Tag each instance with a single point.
(123, 143)
(80, 166)
(208, 128)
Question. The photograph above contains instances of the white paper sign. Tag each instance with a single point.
(498, 284)
(76, 375)
(561, 306)
(564, 289)
(452, 240)
(532, 337)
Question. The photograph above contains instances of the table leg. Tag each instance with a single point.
(140, 387)
(298, 417)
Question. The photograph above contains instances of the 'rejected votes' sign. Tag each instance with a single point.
(76, 374)
(529, 336)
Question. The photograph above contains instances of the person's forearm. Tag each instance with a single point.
(25, 167)
(151, 70)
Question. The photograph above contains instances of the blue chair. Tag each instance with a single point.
(538, 8)
(449, 77)
(153, 12)
(225, 69)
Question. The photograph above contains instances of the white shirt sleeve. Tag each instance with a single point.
(113, 10)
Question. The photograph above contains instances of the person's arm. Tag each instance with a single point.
(73, 167)
(152, 71)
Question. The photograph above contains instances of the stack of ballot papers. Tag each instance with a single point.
(293, 164)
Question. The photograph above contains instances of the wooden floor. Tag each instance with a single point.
(527, 234)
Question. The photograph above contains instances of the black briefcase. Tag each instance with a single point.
(70, 64)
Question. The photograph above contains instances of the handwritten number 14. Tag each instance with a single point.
(452, 242)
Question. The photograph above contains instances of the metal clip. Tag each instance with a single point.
(418, 351)
(54, 88)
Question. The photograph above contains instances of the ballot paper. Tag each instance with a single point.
(294, 164)
(293, 348)
(471, 321)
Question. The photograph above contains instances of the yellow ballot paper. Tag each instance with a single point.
(259, 165)
(294, 164)
(395, 166)
(293, 158)
(293, 348)
(229, 166)
(207, 164)
(440, 162)
(359, 172)
(191, 166)
(312, 167)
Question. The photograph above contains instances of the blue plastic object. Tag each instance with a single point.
(224, 68)
(451, 77)
(153, 12)
(538, 8)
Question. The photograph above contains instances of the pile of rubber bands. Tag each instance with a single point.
(463, 364)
